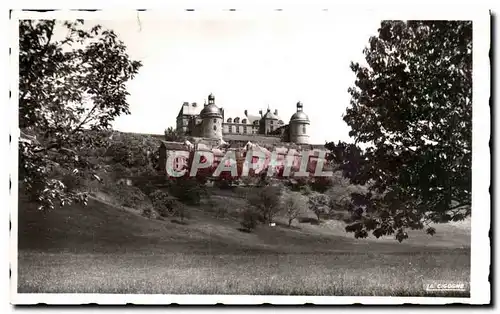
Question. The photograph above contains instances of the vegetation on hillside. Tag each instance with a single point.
(66, 86)
(411, 105)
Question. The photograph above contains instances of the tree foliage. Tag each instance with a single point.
(67, 87)
(249, 219)
(319, 204)
(172, 135)
(293, 204)
(411, 107)
(266, 201)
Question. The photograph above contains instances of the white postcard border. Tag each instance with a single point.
(480, 242)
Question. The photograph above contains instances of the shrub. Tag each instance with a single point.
(128, 196)
(149, 212)
(72, 181)
(224, 184)
(188, 190)
(321, 184)
(319, 204)
(305, 190)
(249, 219)
(162, 203)
(266, 201)
(180, 210)
(132, 196)
(293, 205)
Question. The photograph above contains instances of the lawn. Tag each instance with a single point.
(102, 249)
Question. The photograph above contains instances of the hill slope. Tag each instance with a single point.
(100, 227)
(105, 249)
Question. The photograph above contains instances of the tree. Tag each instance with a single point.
(340, 192)
(411, 107)
(249, 219)
(172, 135)
(293, 204)
(188, 190)
(319, 204)
(68, 87)
(163, 203)
(266, 201)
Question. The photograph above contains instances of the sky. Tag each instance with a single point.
(248, 61)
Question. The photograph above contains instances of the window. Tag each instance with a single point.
(304, 129)
(229, 120)
(215, 128)
(215, 120)
(272, 122)
(245, 130)
(244, 121)
(237, 129)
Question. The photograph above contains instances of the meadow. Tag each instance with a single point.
(104, 249)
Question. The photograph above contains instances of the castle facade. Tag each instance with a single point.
(210, 122)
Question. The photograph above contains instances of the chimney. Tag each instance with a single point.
(276, 111)
(260, 112)
(246, 113)
(268, 110)
(194, 104)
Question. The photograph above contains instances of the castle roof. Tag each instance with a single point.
(210, 110)
(190, 109)
(174, 145)
(299, 116)
(270, 115)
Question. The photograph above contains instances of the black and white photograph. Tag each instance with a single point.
(190, 156)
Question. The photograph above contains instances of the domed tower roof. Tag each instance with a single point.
(210, 110)
(299, 116)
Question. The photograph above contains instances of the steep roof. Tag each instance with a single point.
(190, 109)
(270, 115)
(174, 145)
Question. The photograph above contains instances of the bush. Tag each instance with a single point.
(249, 219)
(162, 203)
(148, 188)
(321, 184)
(319, 204)
(224, 184)
(149, 212)
(72, 181)
(293, 204)
(188, 190)
(132, 197)
(128, 196)
(180, 210)
(265, 201)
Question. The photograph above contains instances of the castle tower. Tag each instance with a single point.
(299, 123)
(269, 121)
(211, 117)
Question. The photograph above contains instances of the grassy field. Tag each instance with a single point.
(104, 249)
